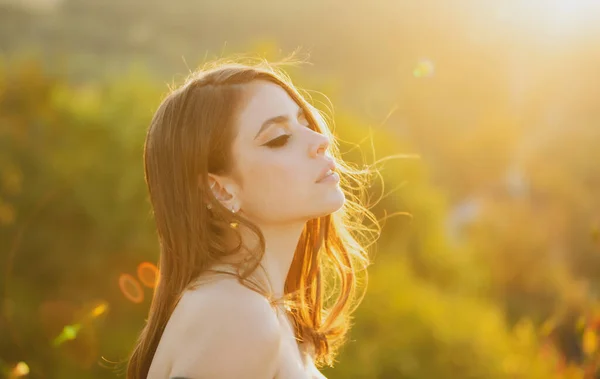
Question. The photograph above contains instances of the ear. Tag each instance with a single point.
(224, 190)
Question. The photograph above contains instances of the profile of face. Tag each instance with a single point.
(277, 161)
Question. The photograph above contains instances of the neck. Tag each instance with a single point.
(281, 243)
(280, 246)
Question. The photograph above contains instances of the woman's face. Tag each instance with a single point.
(278, 159)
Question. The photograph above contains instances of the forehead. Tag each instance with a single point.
(263, 101)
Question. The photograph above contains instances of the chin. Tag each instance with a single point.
(332, 203)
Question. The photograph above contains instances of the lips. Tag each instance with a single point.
(327, 170)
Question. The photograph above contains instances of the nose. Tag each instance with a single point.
(319, 146)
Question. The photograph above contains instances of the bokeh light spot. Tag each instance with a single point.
(131, 288)
(20, 369)
(99, 310)
(148, 274)
(424, 69)
(68, 333)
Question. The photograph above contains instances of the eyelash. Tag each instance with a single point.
(279, 141)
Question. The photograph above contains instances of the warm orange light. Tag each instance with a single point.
(131, 288)
(99, 310)
(148, 274)
(20, 369)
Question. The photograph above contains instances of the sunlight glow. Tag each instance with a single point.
(551, 18)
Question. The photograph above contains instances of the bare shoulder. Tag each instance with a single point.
(224, 330)
(309, 352)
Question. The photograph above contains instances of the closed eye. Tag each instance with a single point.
(278, 142)
(282, 140)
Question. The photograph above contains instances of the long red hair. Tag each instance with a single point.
(189, 136)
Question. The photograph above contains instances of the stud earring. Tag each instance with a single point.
(233, 224)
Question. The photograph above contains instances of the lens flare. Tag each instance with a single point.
(21, 369)
(148, 274)
(69, 333)
(99, 310)
(424, 69)
(131, 288)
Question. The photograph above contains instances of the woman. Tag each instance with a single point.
(259, 249)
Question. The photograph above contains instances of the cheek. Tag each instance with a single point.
(275, 181)
(274, 174)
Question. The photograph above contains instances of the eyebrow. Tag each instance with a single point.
(275, 120)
